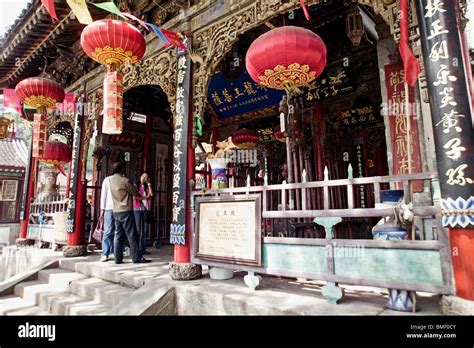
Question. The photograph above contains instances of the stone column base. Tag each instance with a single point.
(185, 271)
(453, 305)
(74, 251)
(23, 242)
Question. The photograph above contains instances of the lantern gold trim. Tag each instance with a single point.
(288, 77)
(113, 56)
(40, 102)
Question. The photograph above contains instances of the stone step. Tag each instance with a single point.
(71, 304)
(69, 264)
(58, 276)
(107, 293)
(33, 310)
(31, 290)
(12, 303)
(46, 299)
(109, 271)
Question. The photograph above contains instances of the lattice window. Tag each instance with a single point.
(8, 190)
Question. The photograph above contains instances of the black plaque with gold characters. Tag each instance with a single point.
(450, 109)
(180, 150)
(75, 163)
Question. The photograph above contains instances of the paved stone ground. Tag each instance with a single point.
(275, 295)
(84, 285)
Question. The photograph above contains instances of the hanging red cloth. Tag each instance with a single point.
(11, 100)
(173, 38)
(49, 4)
(410, 63)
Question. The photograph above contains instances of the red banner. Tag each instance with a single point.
(11, 100)
(39, 134)
(403, 163)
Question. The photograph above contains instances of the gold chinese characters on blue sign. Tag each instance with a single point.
(231, 97)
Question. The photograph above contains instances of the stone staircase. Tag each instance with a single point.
(64, 291)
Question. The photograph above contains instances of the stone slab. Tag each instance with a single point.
(13, 303)
(58, 276)
(107, 293)
(32, 289)
(453, 305)
(155, 297)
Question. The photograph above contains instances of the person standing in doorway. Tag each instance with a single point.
(123, 191)
(107, 213)
(142, 211)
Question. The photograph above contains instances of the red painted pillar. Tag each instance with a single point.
(182, 253)
(29, 197)
(462, 246)
(147, 142)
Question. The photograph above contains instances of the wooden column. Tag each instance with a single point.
(75, 224)
(183, 171)
(28, 195)
(453, 132)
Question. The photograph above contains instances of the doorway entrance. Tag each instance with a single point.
(145, 146)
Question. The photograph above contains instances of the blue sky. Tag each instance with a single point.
(9, 11)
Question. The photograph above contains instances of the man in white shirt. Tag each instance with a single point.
(107, 212)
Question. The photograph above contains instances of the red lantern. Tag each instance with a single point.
(245, 139)
(286, 58)
(56, 152)
(113, 43)
(278, 134)
(41, 94)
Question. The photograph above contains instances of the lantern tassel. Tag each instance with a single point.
(305, 10)
(60, 168)
(290, 86)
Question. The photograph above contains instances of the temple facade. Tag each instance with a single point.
(307, 175)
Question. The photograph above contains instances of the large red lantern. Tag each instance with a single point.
(41, 94)
(57, 152)
(286, 58)
(245, 139)
(113, 43)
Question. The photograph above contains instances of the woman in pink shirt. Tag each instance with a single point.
(142, 210)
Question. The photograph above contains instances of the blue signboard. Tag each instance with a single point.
(231, 97)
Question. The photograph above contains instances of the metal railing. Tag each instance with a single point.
(289, 202)
(50, 206)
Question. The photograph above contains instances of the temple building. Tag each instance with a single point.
(278, 138)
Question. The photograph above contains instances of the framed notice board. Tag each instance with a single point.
(228, 229)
